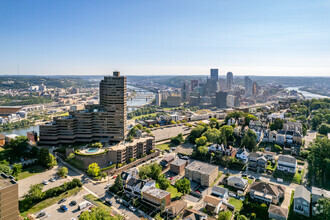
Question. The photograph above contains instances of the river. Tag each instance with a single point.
(307, 95)
(140, 98)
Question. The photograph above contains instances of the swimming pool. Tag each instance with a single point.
(92, 150)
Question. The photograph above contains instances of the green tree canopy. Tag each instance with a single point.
(183, 185)
(63, 171)
(212, 135)
(196, 133)
(276, 125)
(226, 132)
(17, 169)
(94, 170)
(249, 140)
(324, 129)
(201, 141)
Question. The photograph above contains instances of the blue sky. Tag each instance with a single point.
(247, 37)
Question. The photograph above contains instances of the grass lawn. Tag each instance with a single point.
(99, 203)
(30, 171)
(250, 181)
(230, 188)
(236, 202)
(296, 178)
(48, 202)
(141, 116)
(165, 146)
(174, 192)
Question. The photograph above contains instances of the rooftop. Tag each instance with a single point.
(212, 200)
(287, 159)
(267, 188)
(278, 210)
(201, 167)
(302, 192)
(320, 192)
(158, 193)
(179, 162)
(6, 181)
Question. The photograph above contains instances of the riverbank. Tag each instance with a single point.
(307, 95)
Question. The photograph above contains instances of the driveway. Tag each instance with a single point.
(287, 197)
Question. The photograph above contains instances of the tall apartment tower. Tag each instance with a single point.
(8, 197)
(248, 85)
(230, 79)
(214, 74)
(105, 122)
(158, 99)
(185, 91)
(255, 89)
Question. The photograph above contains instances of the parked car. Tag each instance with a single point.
(45, 182)
(41, 214)
(52, 179)
(61, 201)
(232, 194)
(244, 175)
(132, 208)
(114, 177)
(258, 179)
(73, 202)
(64, 208)
(108, 201)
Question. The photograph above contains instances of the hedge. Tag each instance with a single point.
(109, 167)
(87, 155)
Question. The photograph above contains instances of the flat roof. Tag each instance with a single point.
(201, 167)
(6, 181)
(179, 162)
(158, 193)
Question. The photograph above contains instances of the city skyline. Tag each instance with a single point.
(165, 38)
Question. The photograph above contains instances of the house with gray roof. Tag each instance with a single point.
(287, 163)
(301, 201)
(237, 182)
(277, 212)
(220, 192)
(266, 193)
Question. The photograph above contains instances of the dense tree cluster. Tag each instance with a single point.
(141, 111)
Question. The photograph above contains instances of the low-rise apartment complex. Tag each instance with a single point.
(203, 173)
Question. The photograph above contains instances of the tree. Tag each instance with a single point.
(276, 125)
(163, 182)
(196, 133)
(17, 169)
(97, 213)
(172, 122)
(138, 126)
(249, 140)
(319, 163)
(178, 139)
(150, 171)
(19, 145)
(35, 193)
(213, 122)
(183, 185)
(248, 118)
(276, 148)
(201, 141)
(5, 169)
(35, 151)
(322, 209)
(224, 215)
(118, 185)
(62, 172)
(46, 159)
(226, 132)
(162, 206)
(93, 170)
(202, 150)
(316, 121)
(212, 135)
(324, 129)
(96, 145)
(241, 217)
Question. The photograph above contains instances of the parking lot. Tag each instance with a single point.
(24, 184)
(167, 133)
(55, 212)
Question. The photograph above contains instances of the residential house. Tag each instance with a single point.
(242, 154)
(289, 137)
(220, 192)
(135, 186)
(293, 126)
(175, 208)
(229, 151)
(301, 201)
(266, 193)
(232, 121)
(287, 163)
(266, 136)
(212, 204)
(154, 197)
(277, 212)
(167, 160)
(317, 194)
(178, 166)
(280, 137)
(257, 162)
(297, 138)
(130, 185)
(272, 136)
(203, 173)
(194, 215)
(237, 182)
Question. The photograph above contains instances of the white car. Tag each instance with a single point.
(52, 179)
(132, 208)
(45, 182)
